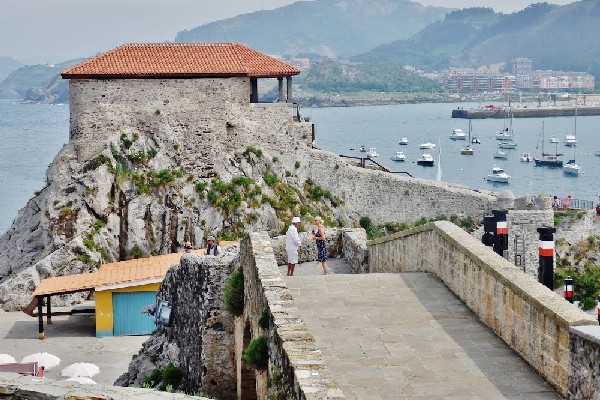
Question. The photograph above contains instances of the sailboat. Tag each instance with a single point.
(508, 140)
(547, 159)
(571, 167)
(468, 150)
(571, 140)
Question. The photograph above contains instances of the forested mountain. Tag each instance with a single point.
(327, 27)
(554, 37)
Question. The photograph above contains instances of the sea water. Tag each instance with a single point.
(344, 130)
(32, 134)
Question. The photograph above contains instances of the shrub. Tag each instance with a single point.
(136, 251)
(586, 284)
(297, 164)
(255, 151)
(270, 179)
(171, 375)
(263, 320)
(153, 379)
(257, 353)
(233, 292)
(365, 223)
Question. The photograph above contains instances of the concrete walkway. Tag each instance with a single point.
(396, 336)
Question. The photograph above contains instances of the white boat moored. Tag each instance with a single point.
(426, 160)
(399, 156)
(526, 157)
(571, 168)
(498, 175)
(458, 134)
(427, 145)
(500, 154)
(372, 152)
(403, 141)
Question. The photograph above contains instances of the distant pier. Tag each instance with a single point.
(525, 112)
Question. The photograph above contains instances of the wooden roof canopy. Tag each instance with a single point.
(180, 60)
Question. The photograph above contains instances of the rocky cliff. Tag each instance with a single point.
(199, 340)
(150, 165)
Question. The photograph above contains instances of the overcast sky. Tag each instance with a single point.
(38, 31)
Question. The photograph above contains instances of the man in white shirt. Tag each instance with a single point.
(292, 244)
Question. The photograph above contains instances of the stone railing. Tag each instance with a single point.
(584, 350)
(533, 320)
(296, 368)
(17, 387)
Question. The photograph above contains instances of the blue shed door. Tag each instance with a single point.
(127, 318)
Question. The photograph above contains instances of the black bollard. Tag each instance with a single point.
(489, 229)
(546, 251)
(501, 238)
(569, 289)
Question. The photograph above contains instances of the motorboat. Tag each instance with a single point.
(363, 149)
(468, 150)
(570, 140)
(458, 134)
(403, 141)
(399, 156)
(554, 139)
(372, 152)
(571, 168)
(427, 145)
(526, 157)
(597, 153)
(498, 175)
(500, 154)
(548, 159)
(426, 160)
(508, 144)
(475, 141)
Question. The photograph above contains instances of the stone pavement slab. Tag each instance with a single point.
(406, 336)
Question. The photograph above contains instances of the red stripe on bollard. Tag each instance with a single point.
(546, 252)
(568, 286)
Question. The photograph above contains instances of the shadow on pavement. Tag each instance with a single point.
(64, 326)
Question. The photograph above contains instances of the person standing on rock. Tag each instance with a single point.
(319, 236)
(211, 246)
(292, 244)
(187, 247)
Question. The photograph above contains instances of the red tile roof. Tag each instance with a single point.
(180, 60)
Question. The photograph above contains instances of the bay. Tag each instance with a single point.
(344, 130)
(30, 137)
(32, 134)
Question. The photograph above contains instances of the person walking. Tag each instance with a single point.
(292, 244)
(187, 247)
(319, 236)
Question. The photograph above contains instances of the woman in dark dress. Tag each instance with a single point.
(319, 235)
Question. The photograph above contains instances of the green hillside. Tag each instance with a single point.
(328, 27)
(554, 37)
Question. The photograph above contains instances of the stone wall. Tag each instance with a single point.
(17, 387)
(584, 350)
(354, 250)
(293, 355)
(522, 226)
(200, 339)
(533, 320)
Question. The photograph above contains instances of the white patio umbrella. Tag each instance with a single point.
(7, 359)
(81, 370)
(82, 379)
(45, 360)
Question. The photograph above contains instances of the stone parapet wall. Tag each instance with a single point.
(533, 320)
(584, 382)
(293, 354)
(17, 387)
(354, 249)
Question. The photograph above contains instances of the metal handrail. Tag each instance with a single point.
(381, 167)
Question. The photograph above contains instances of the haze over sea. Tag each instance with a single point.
(31, 136)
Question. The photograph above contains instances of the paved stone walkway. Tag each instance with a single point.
(406, 336)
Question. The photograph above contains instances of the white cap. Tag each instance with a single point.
(295, 219)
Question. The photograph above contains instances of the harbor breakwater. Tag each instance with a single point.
(526, 112)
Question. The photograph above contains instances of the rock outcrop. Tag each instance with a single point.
(200, 340)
